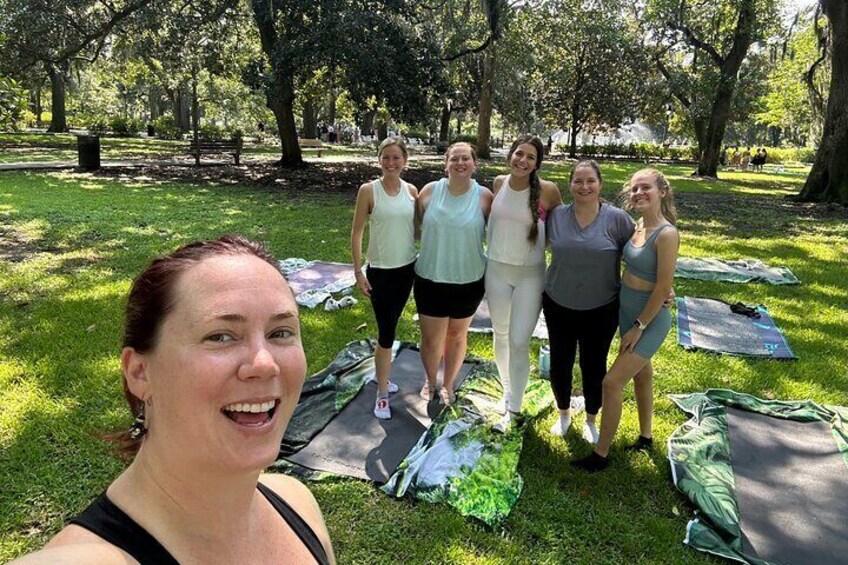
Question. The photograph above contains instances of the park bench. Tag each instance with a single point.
(312, 143)
(215, 147)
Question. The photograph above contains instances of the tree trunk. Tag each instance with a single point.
(828, 179)
(281, 101)
(484, 122)
(35, 96)
(279, 92)
(310, 120)
(181, 107)
(153, 102)
(58, 122)
(573, 131)
(444, 122)
(368, 122)
(382, 131)
(710, 149)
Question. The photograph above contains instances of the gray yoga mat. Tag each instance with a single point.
(321, 275)
(356, 444)
(715, 328)
(792, 489)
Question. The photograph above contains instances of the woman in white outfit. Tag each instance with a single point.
(515, 272)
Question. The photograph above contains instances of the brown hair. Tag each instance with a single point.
(393, 141)
(535, 185)
(586, 163)
(455, 143)
(151, 299)
(667, 207)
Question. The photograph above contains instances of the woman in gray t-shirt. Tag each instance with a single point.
(580, 301)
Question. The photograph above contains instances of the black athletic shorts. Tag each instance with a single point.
(447, 300)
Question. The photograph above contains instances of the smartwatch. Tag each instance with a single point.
(639, 324)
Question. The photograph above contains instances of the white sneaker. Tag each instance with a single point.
(591, 433)
(502, 406)
(331, 305)
(561, 425)
(393, 388)
(347, 302)
(505, 422)
(578, 404)
(382, 410)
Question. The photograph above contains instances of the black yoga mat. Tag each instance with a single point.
(357, 444)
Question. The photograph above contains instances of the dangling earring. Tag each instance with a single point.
(138, 428)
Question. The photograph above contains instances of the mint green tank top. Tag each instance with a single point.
(452, 234)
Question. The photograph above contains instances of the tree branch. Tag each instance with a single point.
(693, 40)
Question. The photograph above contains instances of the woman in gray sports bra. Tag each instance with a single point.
(650, 258)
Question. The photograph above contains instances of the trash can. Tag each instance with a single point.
(151, 130)
(88, 148)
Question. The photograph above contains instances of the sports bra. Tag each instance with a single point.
(642, 261)
(112, 524)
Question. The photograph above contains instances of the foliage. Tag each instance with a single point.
(98, 126)
(578, 81)
(12, 104)
(786, 105)
(166, 128)
(125, 127)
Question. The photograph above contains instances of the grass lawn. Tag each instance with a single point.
(70, 245)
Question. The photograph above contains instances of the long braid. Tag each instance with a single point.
(535, 192)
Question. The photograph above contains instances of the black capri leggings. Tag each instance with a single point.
(390, 290)
(593, 331)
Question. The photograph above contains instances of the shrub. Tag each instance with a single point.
(210, 131)
(98, 126)
(166, 128)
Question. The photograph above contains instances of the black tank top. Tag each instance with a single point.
(112, 524)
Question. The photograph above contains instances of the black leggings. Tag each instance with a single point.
(389, 292)
(593, 331)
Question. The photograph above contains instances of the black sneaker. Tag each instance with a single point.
(592, 464)
(642, 444)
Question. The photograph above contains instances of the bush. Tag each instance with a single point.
(472, 139)
(166, 128)
(125, 127)
(97, 126)
(13, 104)
(210, 131)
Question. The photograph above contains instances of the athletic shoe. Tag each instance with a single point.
(393, 388)
(591, 433)
(347, 302)
(592, 464)
(641, 444)
(505, 422)
(331, 305)
(381, 409)
(561, 425)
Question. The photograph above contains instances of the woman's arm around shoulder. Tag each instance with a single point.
(486, 199)
(74, 545)
(303, 502)
(550, 196)
(498, 183)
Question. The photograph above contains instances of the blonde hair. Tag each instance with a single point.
(393, 141)
(667, 207)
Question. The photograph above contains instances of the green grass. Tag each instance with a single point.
(70, 244)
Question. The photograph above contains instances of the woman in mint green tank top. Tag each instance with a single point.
(449, 270)
(651, 257)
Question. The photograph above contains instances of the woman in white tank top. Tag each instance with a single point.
(387, 204)
(515, 272)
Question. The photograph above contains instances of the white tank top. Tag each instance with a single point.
(391, 228)
(509, 224)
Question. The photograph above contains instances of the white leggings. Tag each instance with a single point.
(514, 294)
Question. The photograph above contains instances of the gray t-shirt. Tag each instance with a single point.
(586, 263)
